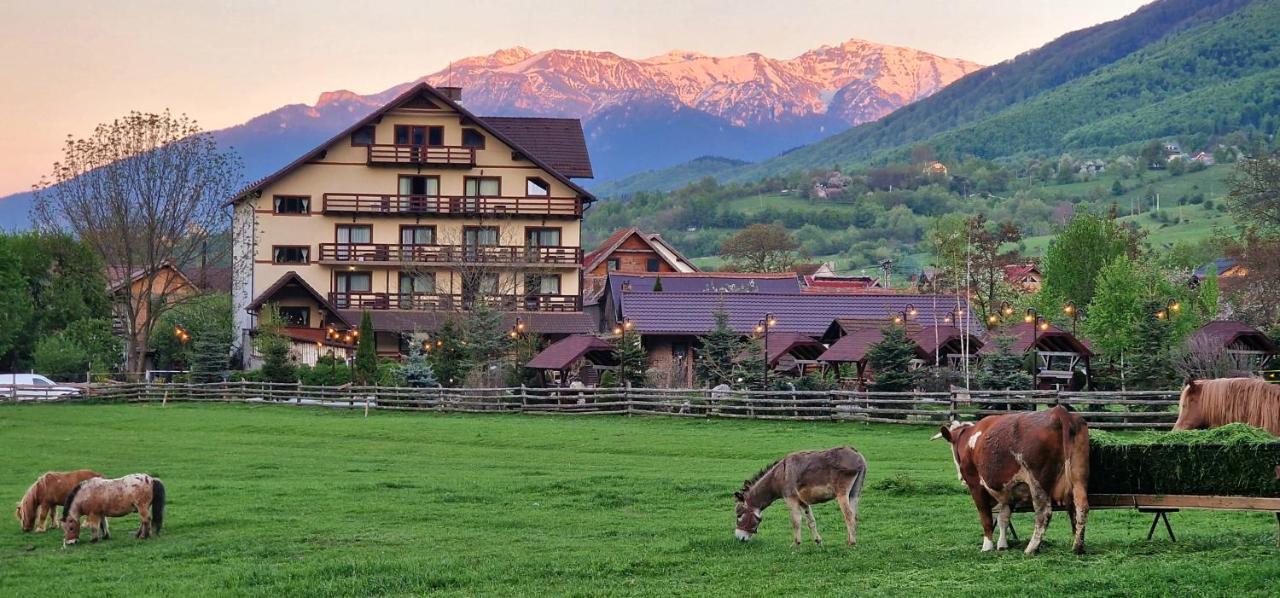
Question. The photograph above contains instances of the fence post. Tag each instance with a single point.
(626, 396)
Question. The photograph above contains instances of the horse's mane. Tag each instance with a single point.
(27, 506)
(1248, 400)
(746, 485)
(71, 498)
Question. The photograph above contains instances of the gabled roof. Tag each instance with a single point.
(781, 343)
(853, 347)
(1024, 334)
(930, 338)
(119, 276)
(409, 94)
(1224, 334)
(558, 141)
(809, 314)
(562, 353)
(845, 284)
(606, 248)
(1018, 272)
(1219, 266)
(292, 278)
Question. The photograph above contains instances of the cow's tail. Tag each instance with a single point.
(1075, 447)
(157, 505)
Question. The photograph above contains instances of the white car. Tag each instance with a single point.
(26, 387)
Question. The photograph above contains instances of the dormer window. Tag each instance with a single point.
(537, 187)
(472, 138)
(364, 135)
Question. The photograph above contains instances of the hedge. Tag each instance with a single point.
(1233, 460)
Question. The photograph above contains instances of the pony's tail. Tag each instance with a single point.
(71, 498)
(157, 505)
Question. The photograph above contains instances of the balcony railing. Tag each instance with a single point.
(392, 254)
(422, 155)
(391, 205)
(435, 301)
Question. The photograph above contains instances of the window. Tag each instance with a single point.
(354, 282)
(479, 285)
(417, 282)
(536, 187)
(653, 265)
(295, 317)
(354, 233)
(542, 237)
(290, 254)
(542, 284)
(417, 235)
(419, 135)
(420, 185)
(472, 138)
(489, 186)
(364, 135)
(292, 204)
(480, 235)
(614, 264)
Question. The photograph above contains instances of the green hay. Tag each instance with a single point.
(1233, 460)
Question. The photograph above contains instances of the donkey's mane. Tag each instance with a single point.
(759, 474)
(1247, 400)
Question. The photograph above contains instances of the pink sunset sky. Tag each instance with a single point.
(67, 65)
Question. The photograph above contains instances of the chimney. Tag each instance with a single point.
(453, 93)
(626, 286)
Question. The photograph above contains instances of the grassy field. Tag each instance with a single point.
(273, 500)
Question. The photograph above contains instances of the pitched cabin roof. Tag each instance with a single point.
(853, 347)
(558, 141)
(782, 343)
(1051, 339)
(562, 353)
(1226, 334)
(399, 320)
(120, 276)
(614, 241)
(682, 313)
(292, 279)
(930, 338)
(844, 284)
(423, 89)
(1019, 272)
(1218, 265)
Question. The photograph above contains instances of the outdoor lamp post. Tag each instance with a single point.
(621, 329)
(1169, 310)
(762, 327)
(516, 330)
(1036, 322)
(1072, 312)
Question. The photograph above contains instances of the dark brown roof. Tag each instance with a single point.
(1223, 333)
(853, 347)
(926, 336)
(119, 276)
(618, 237)
(292, 278)
(557, 141)
(211, 278)
(410, 94)
(562, 353)
(398, 320)
(1051, 339)
(781, 343)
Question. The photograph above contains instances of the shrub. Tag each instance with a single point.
(59, 357)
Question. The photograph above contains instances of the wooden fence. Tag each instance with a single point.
(1156, 409)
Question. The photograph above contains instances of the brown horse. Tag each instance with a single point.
(1213, 403)
(99, 498)
(36, 508)
(803, 479)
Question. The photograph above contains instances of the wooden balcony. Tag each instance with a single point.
(384, 254)
(444, 302)
(391, 154)
(438, 205)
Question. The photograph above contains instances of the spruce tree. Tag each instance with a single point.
(417, 369)
(657, 284)
(1151, 365)
(750, 364)
(633, 359)
(487, 342)
(716, 362)
(449, 357)
(366, 365)
(889, 362)
(273, 346)
(1004, 369)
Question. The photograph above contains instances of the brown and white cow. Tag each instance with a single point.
(1006, 460)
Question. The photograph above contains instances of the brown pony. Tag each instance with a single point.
(99, 498)
(44, 496)
(803, 479)
(1213, 403)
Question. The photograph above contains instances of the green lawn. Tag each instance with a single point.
(273, 500)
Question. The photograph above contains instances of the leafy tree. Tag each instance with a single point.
(329, 370)
(717, 361)
(366, 363)
(273, 346)
(1074, 258)
(65, 284)
(889, 362)
(417, 368)
(206, 317)
(59, 357)
(1177, 167)
(1004, 369)
(1117, 308)
(101, 346)
(16, 302)
(1254, 195)
(1117, 189)
(449, 357)
(761, 248)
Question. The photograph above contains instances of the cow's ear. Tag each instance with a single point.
(944, 432)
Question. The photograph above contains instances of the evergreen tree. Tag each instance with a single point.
(1004, 369)
(273, 346)
(717, 361)
(487, 343)
(657, 284)
(210, 349)
(750, 364)
(633, 360)
(366, 365)
(417, 370)
(1151, 364)
(449, 357)
(890, 362)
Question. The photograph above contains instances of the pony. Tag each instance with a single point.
(99, 498)
(1213, 403)
(36, 508)
(803, 479)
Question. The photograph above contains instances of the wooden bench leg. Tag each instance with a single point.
(1167, 526)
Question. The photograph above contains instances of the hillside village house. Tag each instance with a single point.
(416, 212)
(630, 250)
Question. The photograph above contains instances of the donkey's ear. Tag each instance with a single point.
(738, 495)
